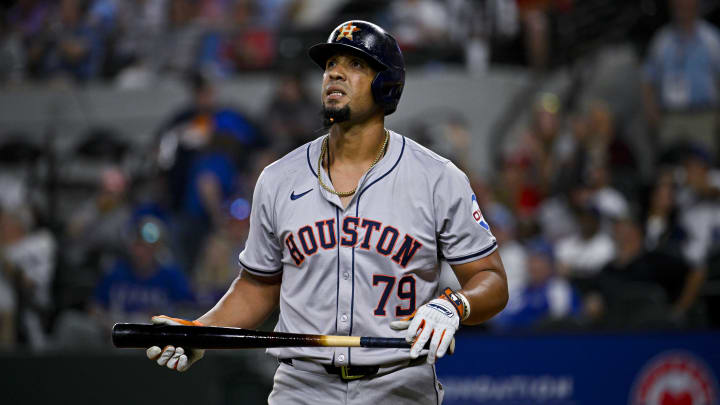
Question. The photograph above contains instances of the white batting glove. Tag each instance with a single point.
(172, 357)
(437, 320)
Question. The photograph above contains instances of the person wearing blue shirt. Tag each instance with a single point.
(681, 78)
(545, 297)
(143, 283)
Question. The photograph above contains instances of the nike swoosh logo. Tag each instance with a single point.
(294, 196)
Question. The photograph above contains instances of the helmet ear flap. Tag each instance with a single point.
(387, 88)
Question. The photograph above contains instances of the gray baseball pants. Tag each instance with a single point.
(308, 383)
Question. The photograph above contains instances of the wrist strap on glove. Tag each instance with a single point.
(461, 304)
(181, 321)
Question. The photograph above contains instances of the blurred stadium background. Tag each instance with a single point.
(132, 132)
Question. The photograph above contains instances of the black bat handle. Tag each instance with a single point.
(384, 342)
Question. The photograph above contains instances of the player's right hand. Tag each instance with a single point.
(174, 358)
(435, 322)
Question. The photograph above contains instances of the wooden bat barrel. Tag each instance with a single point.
(133, 335)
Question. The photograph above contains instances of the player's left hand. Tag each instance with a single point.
(174, 358)
(436, 321)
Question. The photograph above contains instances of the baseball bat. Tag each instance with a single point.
(137, 335)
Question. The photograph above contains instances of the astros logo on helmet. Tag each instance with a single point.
(346, 31)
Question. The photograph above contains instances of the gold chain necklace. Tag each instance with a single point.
(351, 192)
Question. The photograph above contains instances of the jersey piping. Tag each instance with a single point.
(261, 272)
(308, 160)
(337, 288)
(357, 214)
(473, 255)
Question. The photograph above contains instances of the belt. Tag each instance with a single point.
(349, 373)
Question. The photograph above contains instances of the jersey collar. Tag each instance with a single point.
(393, 153)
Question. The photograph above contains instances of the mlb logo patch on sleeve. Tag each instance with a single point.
(477, 214)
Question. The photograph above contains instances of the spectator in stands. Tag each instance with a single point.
(243, 37)
(274, 13)
(140, 24)
(291, 117)
(250, 44)
(216, 269)
(102, 14)
(177, 51)
(633, 262)
(593, 154)
(458, 135)
(30, 20)
(663, 231)
(570, 155)
(190, 128)
(7, 311)
(681, 87)
(193, 127)
(540, 141)
(546, 297)
(447, 132)
(12, 53)
(610, 202)
(75, 47)
(94, 235)
(12, 194)
(595, 141)
(146, 281)
(654, 281)
(419, 23)
(536, 28)
(584, 254)
(516, 187)
(202, 151)
(211, 179)
(569, 190)
(29, 16)
(605, 144)
(701, 182)
(27, 258)
(523, 30)
(101, 220)
(699, 206)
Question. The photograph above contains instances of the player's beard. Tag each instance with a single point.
(334, 115)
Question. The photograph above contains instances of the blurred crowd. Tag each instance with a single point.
(138, 42)
(589, 239)
(161, 240)
(135, 43)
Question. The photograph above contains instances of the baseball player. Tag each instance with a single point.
(346, 236)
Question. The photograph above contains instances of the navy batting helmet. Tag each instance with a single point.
(376, 45)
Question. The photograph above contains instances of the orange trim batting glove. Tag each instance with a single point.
(174, 358)
(436, 321)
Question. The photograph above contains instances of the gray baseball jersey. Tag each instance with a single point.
(351, 271)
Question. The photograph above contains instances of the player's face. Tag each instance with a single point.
(346, 83)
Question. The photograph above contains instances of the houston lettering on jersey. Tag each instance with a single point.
(362, 233)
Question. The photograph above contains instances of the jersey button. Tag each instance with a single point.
(341, 358)
(343, 318)
(346, 275)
